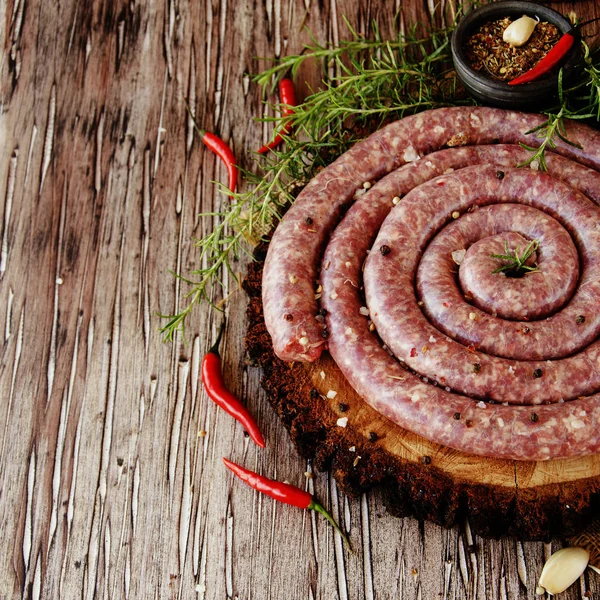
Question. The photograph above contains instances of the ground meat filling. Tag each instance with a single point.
(505, 390)
(293, 259)
(389, 283)
(427, 406)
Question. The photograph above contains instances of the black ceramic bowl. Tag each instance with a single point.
(529, 96)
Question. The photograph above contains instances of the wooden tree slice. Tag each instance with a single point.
(527, 500)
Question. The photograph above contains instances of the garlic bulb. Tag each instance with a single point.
(519, 31)
(562, 569)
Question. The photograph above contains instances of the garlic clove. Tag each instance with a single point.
(519, 31)
(562, 569)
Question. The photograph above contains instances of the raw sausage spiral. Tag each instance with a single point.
(475, 361)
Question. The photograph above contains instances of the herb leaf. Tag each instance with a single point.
(366, 83)
(514, 262)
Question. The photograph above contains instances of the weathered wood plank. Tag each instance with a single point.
(109, 485)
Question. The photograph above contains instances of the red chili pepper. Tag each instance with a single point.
(224, 152)
(212, 378)
(283, 492)
(554, 56)
(287, 95)
(220, 148)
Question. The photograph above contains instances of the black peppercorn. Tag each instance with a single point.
(314, 393)
(534, 418)
(426, 460)
(308, 221)
(537, 373)
(372, 436)
(289, 317)
(384, 250)
(580, 319)
(456, 416)
(500, 174)
(342, 407)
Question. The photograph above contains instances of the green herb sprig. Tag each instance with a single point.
(366, 82)
(514, 263)
(373, 80)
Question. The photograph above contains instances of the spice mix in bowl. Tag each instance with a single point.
(509, 54)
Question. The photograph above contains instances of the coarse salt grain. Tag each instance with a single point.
(363, 310)
(395, 200)
(410, 155)
(500, 422)
(481, 404)
(303, 341)
(577, 424)
(342, 421)
(331, 394)
(322, 373)
(432, 339)
(352, 449)
(333, 295)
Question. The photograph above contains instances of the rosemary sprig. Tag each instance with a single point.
(581, 101)
(366, 82)
(514, 262)
(374, 80)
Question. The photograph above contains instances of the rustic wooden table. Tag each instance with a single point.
(112, 484)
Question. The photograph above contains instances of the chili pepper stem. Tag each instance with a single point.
(200, 132)
(318, 507)
(214, 349)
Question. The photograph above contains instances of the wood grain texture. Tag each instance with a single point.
(108, 486)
